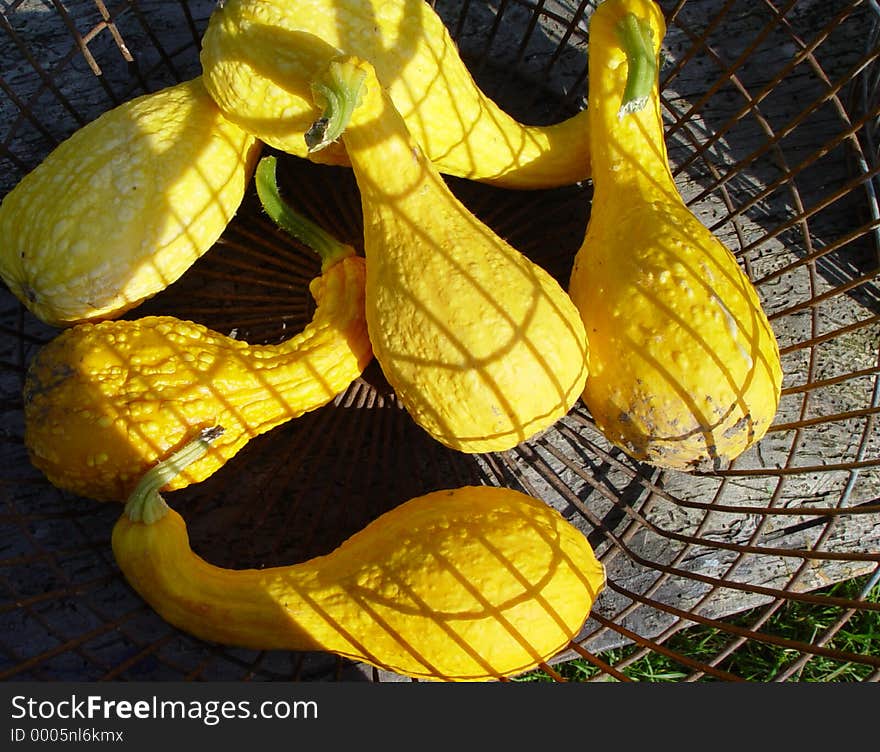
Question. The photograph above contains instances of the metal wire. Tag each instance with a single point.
(770, 109)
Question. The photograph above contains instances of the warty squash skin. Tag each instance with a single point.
(121, 208)
(684, 365)
(467, 584)
(483, 347)
(104, 401)
(260, 56)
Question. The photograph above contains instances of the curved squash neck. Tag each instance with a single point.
(627, 143)
(339, 298)
(382, 150)
(279, 607)
(629, 152)
(313, 366)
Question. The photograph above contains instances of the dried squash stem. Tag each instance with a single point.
(637, 41)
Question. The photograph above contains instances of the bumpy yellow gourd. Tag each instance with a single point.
(467, 584)
(684, 365)
(103, 402)
(483, 347)
(120, 209)
(259, 58)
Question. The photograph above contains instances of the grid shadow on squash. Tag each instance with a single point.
(770, 110)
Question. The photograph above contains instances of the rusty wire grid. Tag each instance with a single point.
(770, 108)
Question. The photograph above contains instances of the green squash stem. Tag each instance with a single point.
(303, 229)
(339, 96)
(145, 503)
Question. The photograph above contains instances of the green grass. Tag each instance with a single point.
(753, 660)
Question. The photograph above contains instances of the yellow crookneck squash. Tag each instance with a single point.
(103, 402)
(684, 366)
(126, 204)
(482, 346)
(467, 584)
(259, 58)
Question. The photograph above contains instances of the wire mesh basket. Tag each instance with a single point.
(770, 109)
